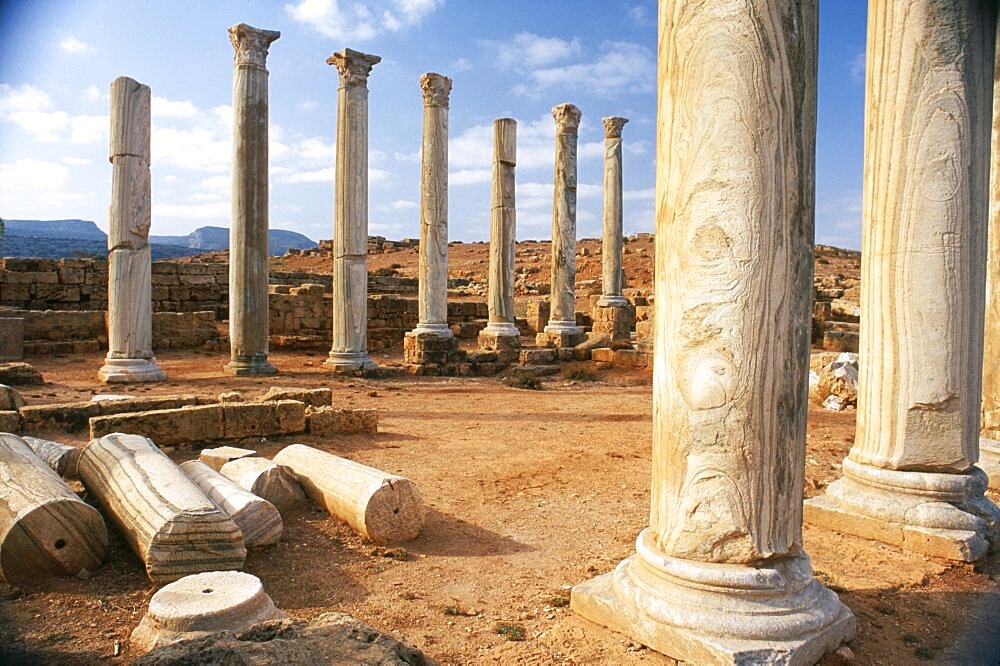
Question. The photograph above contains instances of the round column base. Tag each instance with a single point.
(253, 365)
(130, 371)
(699, 612)
(943, 515)
(201, 604)
(611, 301)
(440, 330)
(502, 329)
(350, 361)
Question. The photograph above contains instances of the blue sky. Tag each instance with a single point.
(507, 59)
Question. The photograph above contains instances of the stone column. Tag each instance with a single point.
(248, 231)
(720, 575)
(989, 440)
(130, 305)
(501, 333)
(562, 330)
(910, 478)
(611, 252)
(432, 296)
(613, 315)
(350, 214)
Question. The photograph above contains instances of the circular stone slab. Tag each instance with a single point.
(201, 604)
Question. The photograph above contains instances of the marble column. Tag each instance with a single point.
(501, 333)
(432, 297)
(910, 479)
(562, 329)
(248, 231)
(611, 252)
(130, 305)
(720, 575)
(989, 440)
(350, 214)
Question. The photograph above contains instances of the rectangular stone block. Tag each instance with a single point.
(164, 426)
(10, 422)
(146, 403)
(321, 397)
(11, 339)
(329, 421)
(536, 356)
(70, 416)
(604, 355)
(217, 457)
(241, 419)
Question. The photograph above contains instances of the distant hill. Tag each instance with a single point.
(56, 239)
(75, 229)
(217, 238)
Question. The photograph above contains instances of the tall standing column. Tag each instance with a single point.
(248, 231)
(562, 330)
(130, 305)
(432, 296)
(989, 440)
(611, 251)
(350, 214)
(501, 333)
(910, 478)
(720, 575)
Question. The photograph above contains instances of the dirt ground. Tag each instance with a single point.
(528, 493)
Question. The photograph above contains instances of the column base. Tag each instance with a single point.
(560, 334)
(440, 330)
(252, 365)
(606, 301)
(504, 339)
(430, 349)
(350, 361)
(617, 321)
(130, 371)
(697, 612)
(989, 460)
(942, 515)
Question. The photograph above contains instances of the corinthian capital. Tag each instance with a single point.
(251, 44)
(567, 118)
(435, 88)
(613, 127)
(354, 66)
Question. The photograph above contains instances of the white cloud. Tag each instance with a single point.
(469, 176)
(640, 16)
(527, 49)
(403, 204)
(28, 107)
(310, 176)
(218, 210)
(162, 107)
(93, 94)
(356, 21)
(90, 129)
(622, 67)
(76, 161)
(413, 157)
(461, 65)
(37, 189)
(857, 68)
(378, 175)
(307, 105)
(73, 45)
(639, 195)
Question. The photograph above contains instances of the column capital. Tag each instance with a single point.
(435, 88)
(251, 44)
(613, 126)
(567, 118)
(354, 66)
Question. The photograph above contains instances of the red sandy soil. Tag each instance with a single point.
(529, 492)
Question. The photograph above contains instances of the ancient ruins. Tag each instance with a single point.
(448, 449)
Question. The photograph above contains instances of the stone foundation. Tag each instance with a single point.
(560, 339)
(615, 320)
(506, 347)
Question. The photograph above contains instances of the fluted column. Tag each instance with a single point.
(562, 313)
(248, 231)
(611, 252)
(989, 440)
(720, 575)
(503, 232)
(910, 478)
(350, 214)
(432, 296)
(130, 307)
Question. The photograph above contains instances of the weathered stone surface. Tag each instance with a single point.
(841, 341)
(19, 374)
(165, 426)
(311, 397)
(910, 478)
(331, 638)
(611, 249)
(330, 421)
(130, 308)
(169, 523)
(276, 483)
(989, 447)
(257, 518)
(11, 338)
(10, 398)
(203, 604)
(60, 458)
(349, 352)
(243, 419)
(501, 328)
(70, 416)
(719, 576)
(217, 457)
(248, 231)
(45, 529)
(537, 356)
(837, 384)
(382, 507)
(10, 422)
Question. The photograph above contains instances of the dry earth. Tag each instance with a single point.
(529, 493)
